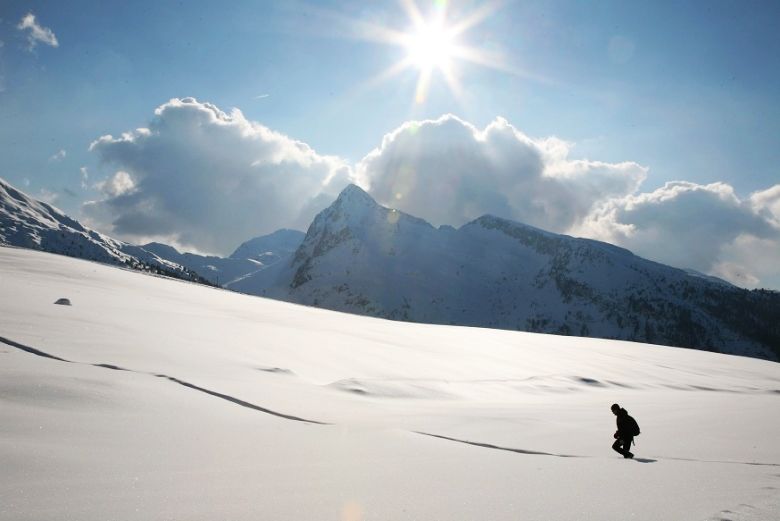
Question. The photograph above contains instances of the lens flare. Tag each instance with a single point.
(434, 45)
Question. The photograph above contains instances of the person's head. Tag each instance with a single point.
(615, 409)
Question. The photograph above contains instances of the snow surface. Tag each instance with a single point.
(215, 413)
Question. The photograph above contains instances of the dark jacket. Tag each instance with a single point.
(625, 425)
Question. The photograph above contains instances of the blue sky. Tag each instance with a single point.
(685, 90)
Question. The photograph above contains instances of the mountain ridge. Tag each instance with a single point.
(363, 258)
(360, 257)
(28, 223)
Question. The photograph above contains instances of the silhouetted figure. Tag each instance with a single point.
(627, 428)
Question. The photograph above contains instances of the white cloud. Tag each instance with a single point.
(735, 273)
(210, 180)
(47, 196)
(37, 33)
(117, 185)
(751, 261)
(449, 172)
(704, 227)
(203, 179)
(59, 155)
(767, 202)
(84, 177)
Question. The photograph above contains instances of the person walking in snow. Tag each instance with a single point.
(627, 428)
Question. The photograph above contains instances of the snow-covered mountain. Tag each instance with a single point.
(217, 270)
(360, 257)
(274, 252)
(249, 259)
(28, 223)
(270, 248)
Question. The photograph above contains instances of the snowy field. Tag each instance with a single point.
(154, 399)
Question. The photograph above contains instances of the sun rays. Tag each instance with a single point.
(435, 44)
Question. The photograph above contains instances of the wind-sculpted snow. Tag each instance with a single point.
(112, 367)
(152, 398)
(486, 389)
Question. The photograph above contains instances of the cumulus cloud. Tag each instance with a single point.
(767, 203)
(705, 227)
(205, 180)
(59, 155)
(37, 33)
(209, 180)
(117, 185)
(449, 172)
(750, 261)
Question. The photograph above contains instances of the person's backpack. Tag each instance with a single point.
(633, 426)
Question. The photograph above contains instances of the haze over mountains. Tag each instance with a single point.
(362, 258)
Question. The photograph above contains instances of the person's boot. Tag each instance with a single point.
(628, 455)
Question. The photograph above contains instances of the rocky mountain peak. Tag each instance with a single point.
(352, 196)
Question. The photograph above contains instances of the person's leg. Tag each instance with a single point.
(627, 448)
(617, 446)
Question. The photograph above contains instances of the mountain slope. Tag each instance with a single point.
(250, 258)
(217, 270)
(362, 258)
(28, 223)
(269, 247)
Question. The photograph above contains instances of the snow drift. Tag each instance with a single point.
(160, 399)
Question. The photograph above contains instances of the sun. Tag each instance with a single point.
(431, 46)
